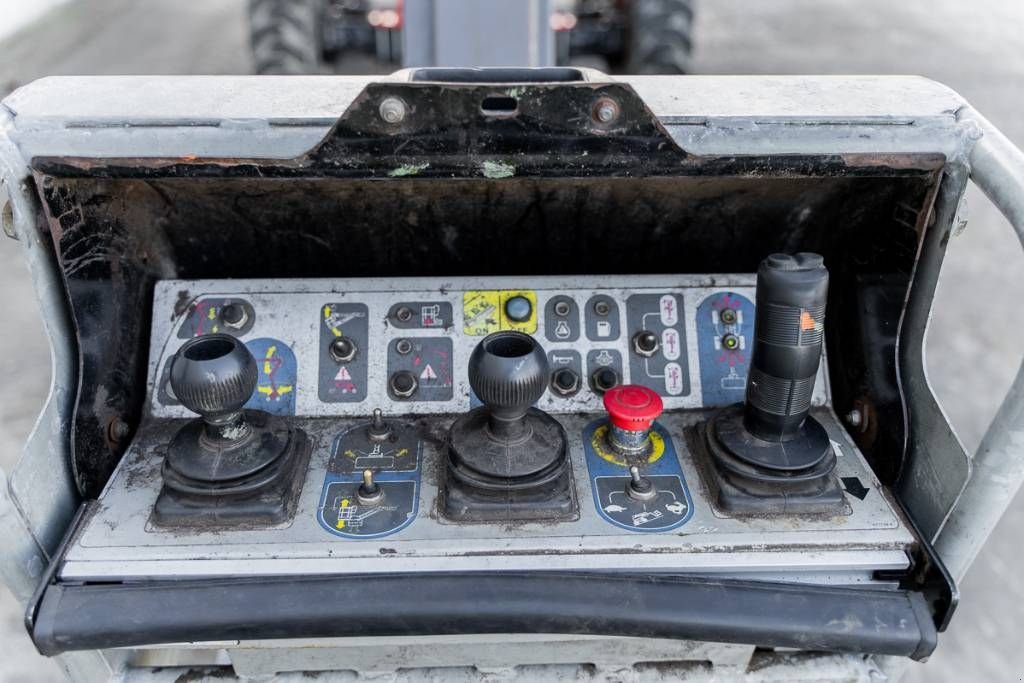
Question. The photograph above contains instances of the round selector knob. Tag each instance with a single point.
(788, 332)
(508, 372)
(214, 375)
(632, 410)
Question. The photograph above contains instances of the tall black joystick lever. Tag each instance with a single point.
(506, 459)
(231, 465)
(769, 454)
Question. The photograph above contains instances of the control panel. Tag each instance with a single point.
(332, 426)
(405, 350)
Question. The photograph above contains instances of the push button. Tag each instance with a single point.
(519, 309)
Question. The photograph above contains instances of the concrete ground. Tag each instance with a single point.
(977, 48)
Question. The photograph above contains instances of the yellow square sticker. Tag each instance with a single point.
(480, 313)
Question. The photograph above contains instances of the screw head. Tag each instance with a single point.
(392, 110)
(606, 110)
(854, 418)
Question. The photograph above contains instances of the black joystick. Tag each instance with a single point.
(507, 460)
(769, 455)
(508, 372)
(232, 466)
(214, 376)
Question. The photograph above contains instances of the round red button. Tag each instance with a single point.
(632, 407)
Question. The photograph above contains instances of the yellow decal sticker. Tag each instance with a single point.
(600, 445)
(480, 314)
(483, 312)
(341, 521)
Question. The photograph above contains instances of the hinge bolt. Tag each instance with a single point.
(392, 110)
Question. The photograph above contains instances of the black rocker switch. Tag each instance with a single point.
(229, 466)
(507, 460)
(768, 454)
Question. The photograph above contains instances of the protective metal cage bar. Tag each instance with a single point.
(997, 168)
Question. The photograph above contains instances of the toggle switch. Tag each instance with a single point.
(369, 492)
(379, 429)
(640, 487)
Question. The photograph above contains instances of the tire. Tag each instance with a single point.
(285, 36)
(660, 37)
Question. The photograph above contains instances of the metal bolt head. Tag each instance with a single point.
(392, 110)
(234, 316)
(606, 110)
(565, 382)
(403, 384)
(854, 418)
(118, 430)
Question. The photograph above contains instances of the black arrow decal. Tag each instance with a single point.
(854, 487)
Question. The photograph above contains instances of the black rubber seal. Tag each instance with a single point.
(822, 618)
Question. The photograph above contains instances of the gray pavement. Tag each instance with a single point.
(977, 48)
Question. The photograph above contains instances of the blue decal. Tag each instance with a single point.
(396, 467)
(278, 373)
(725, 338)
(609, 475)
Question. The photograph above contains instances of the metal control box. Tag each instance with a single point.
(354, 244)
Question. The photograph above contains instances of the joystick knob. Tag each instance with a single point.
(768, 454)
(235, 465)
(508, 371)
(214, 375)
(508, 460)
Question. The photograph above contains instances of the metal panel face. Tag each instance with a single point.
(416, 326)
(294, 321)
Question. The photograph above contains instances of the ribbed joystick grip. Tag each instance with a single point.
(214, 375)
(508, 372)
(788, 333)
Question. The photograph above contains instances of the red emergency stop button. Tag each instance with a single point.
(632, 407)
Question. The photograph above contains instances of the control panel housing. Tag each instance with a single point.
(702, 326)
